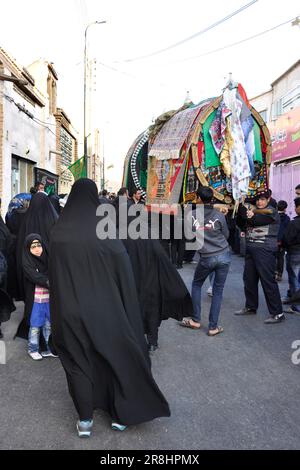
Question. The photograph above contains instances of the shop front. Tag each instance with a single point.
(285, 169)
(50, 180)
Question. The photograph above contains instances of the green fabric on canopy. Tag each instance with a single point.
(211, 156)
(258, 157)
(143, 172)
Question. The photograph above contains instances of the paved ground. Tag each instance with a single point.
(239, 390)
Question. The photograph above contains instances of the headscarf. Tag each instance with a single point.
(40, 217)
(18, 202)
(39, 263)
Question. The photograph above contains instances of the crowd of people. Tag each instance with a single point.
(97, 304)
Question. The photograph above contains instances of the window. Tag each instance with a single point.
(67, 150)
(264, 114)
(291, 100)
(21, 175)
(15, 177)
(277, 109)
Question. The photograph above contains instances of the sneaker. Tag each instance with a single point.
(246, 311)
(118, 427)
(48, 354)
(84, 428)
(291, 310)
(35, 356)
(209, 291)
(276, 319)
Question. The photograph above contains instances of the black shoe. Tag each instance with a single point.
(276, 319)
(1, 335)
(179, 266)
(246, 311)
(152, 348)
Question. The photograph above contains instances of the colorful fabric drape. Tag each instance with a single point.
(258, 156)
(165, 178)
(168, 143)
(225, 154)
(218, 127)
(243, 95)
(217, 179)
(211, 157)
(239, 159)
(247, 126)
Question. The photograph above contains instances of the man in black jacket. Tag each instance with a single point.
(291, 241)
(262, 226)
(284, 222)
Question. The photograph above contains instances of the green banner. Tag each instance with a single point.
(78, 169)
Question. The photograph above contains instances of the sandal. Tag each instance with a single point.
(186, 323)
(218, 330)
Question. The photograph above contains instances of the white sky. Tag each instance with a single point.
(127, 100)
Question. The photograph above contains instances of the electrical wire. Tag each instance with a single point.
(232, 44)
(183, 41)
(114, 69)
(47, 123)
(214, 51)
(43, 125)
(36, 120)
(134, 77)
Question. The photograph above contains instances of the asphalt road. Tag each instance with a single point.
(239, 390)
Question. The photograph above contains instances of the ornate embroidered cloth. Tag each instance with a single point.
(218, 127)
(169, 142)
(239, 159)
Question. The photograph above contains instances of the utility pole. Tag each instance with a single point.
(84, 89)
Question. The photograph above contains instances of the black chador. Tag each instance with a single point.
(162, 293)
(96, 323)
(6, 303)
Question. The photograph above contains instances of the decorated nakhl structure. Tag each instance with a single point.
(221, 142)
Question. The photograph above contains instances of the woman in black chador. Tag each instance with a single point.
(96, 323)
(6, 303)
(161, 291)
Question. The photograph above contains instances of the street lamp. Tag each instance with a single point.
(84, 94)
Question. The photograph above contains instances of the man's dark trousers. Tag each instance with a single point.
(260, 264)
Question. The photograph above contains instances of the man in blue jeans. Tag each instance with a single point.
(212, 231)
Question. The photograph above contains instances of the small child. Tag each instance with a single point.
(284, 221)
(35, 266)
